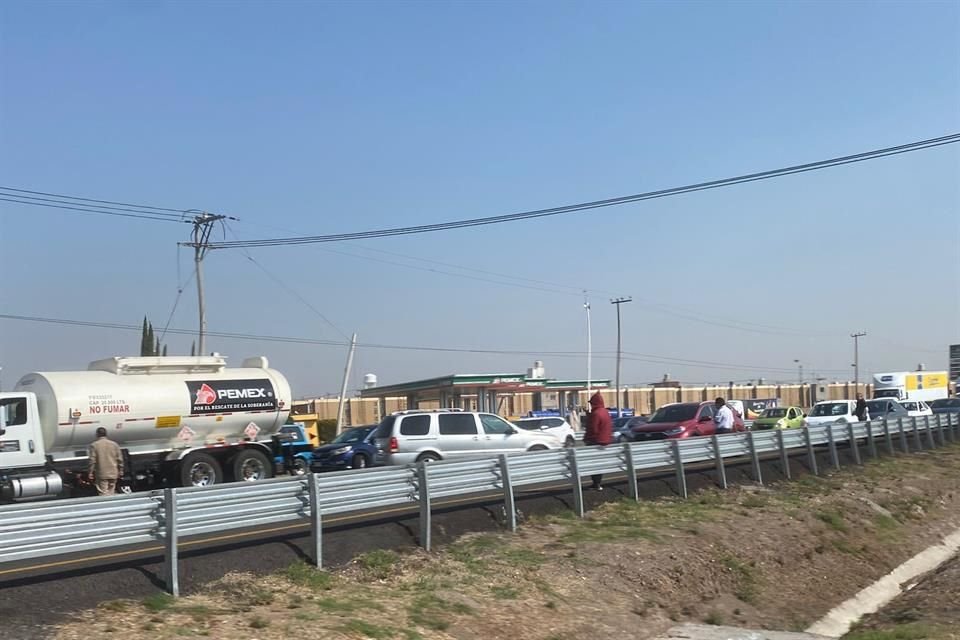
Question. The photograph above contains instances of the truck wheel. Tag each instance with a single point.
(200, 470)
(251, 465)
(300, 467)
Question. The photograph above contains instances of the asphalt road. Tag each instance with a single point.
(37, 594)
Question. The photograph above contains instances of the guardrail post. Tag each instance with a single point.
(678, 462)
(887, 436)
(853, 442)
(509, 505)
(575, 482)
(754, 458)
(784, 458)
(171, 557)
(316, 521)
(903, 436)
(811, 455)
(950, 429)
(831, 441)
(930, 437)
(423, 489)
(632, 483)
(916, 433)
(871, 441)
(721, 470)
(944, 433)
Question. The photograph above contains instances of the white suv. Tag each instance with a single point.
(415, 436)
(831, 411)
(553, 426)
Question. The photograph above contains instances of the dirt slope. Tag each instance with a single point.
(776, 557)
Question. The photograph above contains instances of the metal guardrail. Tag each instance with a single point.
(43, 529)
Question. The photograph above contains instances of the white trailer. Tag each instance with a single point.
(180, 421)
(911, 385)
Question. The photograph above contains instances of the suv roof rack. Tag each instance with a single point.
(409, 411)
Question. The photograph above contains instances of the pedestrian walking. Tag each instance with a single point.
(861, 411)
(106, 463)
(573, 418)
(599, 431)
(723, 417)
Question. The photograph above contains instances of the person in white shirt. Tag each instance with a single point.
(723, 417)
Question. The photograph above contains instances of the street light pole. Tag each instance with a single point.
(799, 371)
(586, 306)
(856, 359)
(617, 302)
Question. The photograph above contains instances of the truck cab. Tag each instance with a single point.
(23, 463)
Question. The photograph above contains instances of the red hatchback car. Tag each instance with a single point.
(682, 420)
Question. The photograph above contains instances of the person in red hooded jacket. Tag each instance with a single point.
(599, 430)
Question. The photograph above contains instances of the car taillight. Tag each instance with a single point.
(394, 445)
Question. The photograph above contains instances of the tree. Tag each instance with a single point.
(144, 343)
(149, 341)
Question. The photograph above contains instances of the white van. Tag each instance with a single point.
(415, 436)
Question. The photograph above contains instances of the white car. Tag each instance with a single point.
(831, 411)
(917, 408)
(557, 427)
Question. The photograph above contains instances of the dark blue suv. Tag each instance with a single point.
(352, 449)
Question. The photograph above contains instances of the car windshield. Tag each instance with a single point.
(877, 407)
(290, 433)
(830, 409)
(385, 428)
(945, 403)
(774, 413)
(533, 424)
(352, 435)
(675, 413)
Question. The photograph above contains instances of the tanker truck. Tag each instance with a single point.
(180, 421)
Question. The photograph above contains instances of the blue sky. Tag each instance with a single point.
(318, 118)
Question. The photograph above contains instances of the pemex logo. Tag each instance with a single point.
(205, 395)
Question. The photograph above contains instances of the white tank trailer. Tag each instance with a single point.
(181, 421)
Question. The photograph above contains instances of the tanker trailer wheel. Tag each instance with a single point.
(200, 470)
(251, 465)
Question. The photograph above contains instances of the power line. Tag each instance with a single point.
(66, 197)
(637, 357)
(96, 207)
(84, 209)
(283, 284)
(563, 289)
(596, 204)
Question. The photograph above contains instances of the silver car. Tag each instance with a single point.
(415, 436)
